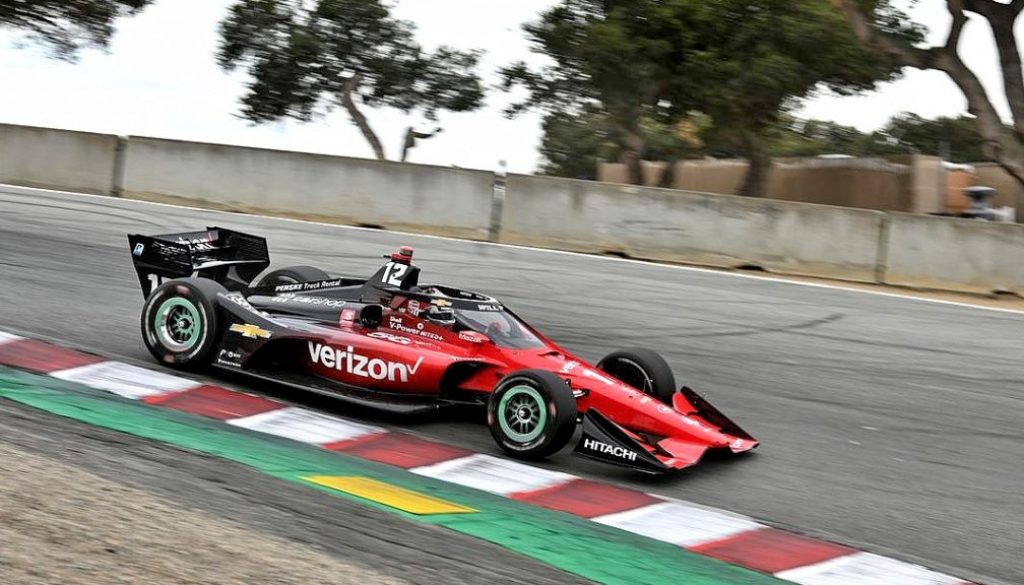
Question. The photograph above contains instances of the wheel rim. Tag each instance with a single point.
(177, 324)
(521, 414)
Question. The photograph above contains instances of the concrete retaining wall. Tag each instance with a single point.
(397, 196)
(955, 254)
(716, 230)
(57, 159)
(657, 224)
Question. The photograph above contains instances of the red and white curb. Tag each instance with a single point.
(715, 533)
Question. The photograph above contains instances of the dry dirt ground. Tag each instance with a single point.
(63, 525)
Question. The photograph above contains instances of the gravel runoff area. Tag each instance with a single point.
(61, 524)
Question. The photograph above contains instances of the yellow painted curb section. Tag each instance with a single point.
(389, 495)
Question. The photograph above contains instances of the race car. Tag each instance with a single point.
(391, 343)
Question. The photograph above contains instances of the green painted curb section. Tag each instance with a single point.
(591, 550)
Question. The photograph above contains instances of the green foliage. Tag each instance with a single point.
(754, 58)
(954, 139)
(610, 62)
(67, 25)
(739, 62)
(572, 145)
(301, 54)
(957, 139)
(609, 54)
(798, 137)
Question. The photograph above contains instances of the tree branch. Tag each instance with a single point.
(412, 136)
(890, 45)
(956, 10)
(347, 102)
(1001, 17)
(1007, 150)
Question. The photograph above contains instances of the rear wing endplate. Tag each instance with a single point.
(229, 257)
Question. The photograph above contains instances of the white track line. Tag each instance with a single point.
(304, 425)
(680, 523)
(866, 569)
(8, 337)
(495, 475)
(13, 189)
(125, 380)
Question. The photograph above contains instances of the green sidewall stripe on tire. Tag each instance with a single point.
(515, 399)
(177, 324)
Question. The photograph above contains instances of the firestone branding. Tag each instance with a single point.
(348, 361)
(620, 452)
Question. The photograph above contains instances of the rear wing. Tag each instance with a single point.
(229, 257)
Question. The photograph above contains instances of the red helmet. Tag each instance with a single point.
(403, 255)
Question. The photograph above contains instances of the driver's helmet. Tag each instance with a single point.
(443, 316)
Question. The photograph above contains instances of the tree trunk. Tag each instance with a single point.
(755, 184)
(412, 137)
(633, 147)
(347, 101)
(668, 178)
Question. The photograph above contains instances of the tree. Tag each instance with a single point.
(609, 66)
(307, 56)
(68, 25)
(882, 28)
(954, 139)
(741, 63)
(757, 59)
(796, 137)
(572, 145)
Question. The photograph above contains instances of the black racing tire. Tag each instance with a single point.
(292, 275)
(181, 322)
(642, 369)
(532, 414)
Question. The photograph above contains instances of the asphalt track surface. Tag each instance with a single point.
(887, 423)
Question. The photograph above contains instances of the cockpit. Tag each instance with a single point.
(460, 310)
(500, 326)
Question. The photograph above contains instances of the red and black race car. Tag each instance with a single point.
(392, 343)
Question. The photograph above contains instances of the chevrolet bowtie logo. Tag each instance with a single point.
(440, 303)
(250, 331)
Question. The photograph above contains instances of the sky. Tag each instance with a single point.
(159, 78)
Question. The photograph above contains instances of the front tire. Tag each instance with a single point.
(531, 414)
(642, 369)
(181, 322)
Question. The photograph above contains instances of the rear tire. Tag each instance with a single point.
(531, 414)
(292, 275)
(181, 324)
(642, 369)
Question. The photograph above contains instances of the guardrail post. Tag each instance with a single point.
(497, 201)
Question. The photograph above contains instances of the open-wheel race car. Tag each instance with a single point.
(391, 343)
